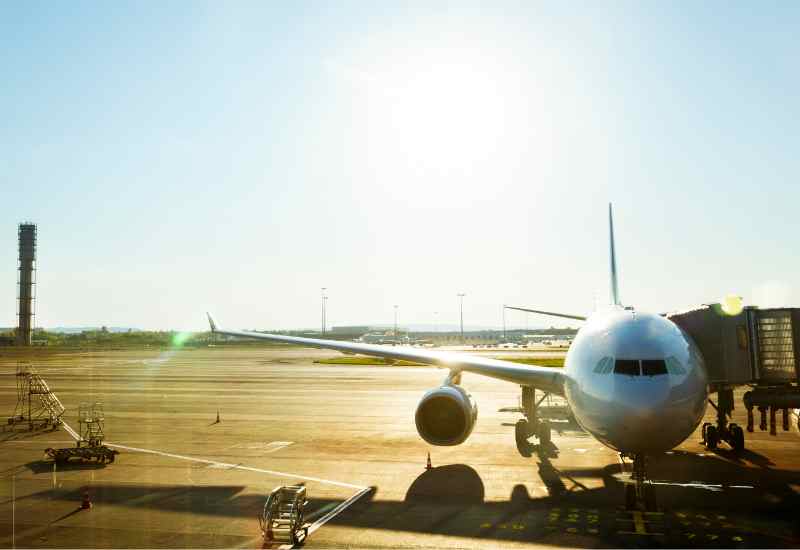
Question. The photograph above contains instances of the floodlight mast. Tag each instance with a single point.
(504, 322)
(461, 308)
(395, 323)
(323, 299)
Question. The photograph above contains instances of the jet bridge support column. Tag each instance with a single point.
(722, 431)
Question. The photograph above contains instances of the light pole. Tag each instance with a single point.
(323, 310)
(395, 324)
(461, 301)
(504, 322)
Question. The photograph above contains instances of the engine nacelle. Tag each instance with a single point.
(446, 415)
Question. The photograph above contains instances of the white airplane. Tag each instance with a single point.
(634, 380)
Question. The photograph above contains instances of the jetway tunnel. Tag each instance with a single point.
(754, 347)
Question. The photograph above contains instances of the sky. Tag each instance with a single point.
(236, 157)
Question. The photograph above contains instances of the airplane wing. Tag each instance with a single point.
(548, 379)
(565, 315)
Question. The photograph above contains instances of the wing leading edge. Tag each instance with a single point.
(544, 378)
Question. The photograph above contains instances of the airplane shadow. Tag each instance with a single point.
(46, 466)
(17, 432)
(451, 484)
(451, 499)
(744, 456)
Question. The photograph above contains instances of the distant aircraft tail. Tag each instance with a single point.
(211, 322)
(614, 286)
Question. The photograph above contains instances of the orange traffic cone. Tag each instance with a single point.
(429, 466)
(86, 504)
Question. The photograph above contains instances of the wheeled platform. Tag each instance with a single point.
(100, 453)
(90, 445)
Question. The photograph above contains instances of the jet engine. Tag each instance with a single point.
(446, 415)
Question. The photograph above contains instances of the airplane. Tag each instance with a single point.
(633, 380)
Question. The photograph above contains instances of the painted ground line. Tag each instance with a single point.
(70, 431)
(237, 466)
(338, 510)
(313, 527)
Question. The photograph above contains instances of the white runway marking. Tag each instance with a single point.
(70, 431)
(338, 510)
(275, 445)
(237, 466)
(270, 447)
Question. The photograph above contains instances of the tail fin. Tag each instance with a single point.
(211, 322)
(614, 288)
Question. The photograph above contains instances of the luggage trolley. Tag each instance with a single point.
(283, 518)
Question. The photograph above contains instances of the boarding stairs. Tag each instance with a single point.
(50, 403)
(283, 518)
(37, 405)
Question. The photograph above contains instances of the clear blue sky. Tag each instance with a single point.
(237, 157)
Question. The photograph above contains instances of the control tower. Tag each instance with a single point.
(26, 279)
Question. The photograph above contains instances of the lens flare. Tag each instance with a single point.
(180, 338)
(731, 305)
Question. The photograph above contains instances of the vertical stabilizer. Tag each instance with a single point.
(614, 287)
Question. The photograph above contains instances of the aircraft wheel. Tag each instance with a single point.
(630, 496)
(650, 498)
(712, 437)
(737, 437)
(522, 432)
(544, 433)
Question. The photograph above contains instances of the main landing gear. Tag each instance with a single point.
(641, 493)
(531, 425)
(732, 433)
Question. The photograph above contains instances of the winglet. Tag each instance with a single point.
(211, 322)
(614, 286)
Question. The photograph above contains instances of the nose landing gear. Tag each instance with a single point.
(641, 493)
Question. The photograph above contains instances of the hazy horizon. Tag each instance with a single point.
(237, 157)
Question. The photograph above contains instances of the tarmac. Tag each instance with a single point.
(182, 479)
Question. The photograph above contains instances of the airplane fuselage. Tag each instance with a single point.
(635, 381)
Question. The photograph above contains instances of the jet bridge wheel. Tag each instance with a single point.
(736, 437)
(712, 437)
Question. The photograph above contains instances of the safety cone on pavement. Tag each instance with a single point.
(86, 504)
(429, 466)
(217, 416)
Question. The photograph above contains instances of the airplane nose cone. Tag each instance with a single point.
(651, 416)
(640, 400)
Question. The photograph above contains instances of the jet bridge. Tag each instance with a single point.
(755, 347)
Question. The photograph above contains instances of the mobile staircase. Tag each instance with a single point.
(283, 517)
(37, 405)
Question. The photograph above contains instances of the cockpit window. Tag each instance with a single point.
(604, 366)
(674, 366)
(653, 367)
(629, 367)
